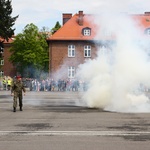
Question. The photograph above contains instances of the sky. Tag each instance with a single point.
(45, 13)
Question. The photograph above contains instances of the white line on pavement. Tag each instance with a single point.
(76, 133)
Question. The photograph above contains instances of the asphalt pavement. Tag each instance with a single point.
(60, 121)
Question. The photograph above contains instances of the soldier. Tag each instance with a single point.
(16, 92)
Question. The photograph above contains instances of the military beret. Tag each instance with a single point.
(18, 77)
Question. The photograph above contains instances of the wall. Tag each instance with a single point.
(59, 60)
(8, 68)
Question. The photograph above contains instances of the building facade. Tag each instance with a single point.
(75, 42)
(71, 45)
(6, 67)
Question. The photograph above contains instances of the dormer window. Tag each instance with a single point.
(86, 31)
(147, 31)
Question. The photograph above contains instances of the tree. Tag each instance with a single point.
(30, 52)
(56, 27)
(6, 21)
(46, 32)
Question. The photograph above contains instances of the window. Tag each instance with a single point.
(71, 51)
(2, 62)
(1, 73)
(71, 72)
(106, 52)
(107, 33)
(87, 51)
(147, 31)
(86, 31)
(103, 50)
(1, 49)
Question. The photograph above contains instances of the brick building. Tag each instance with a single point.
(7, 68)
(75, 42)
(71, 45)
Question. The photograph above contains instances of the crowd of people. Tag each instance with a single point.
(55, 85)
(47, 84)
(5, 83)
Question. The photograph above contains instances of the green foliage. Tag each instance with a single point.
(46, 32)
(6, 21)
(56, 27)
(30, 52)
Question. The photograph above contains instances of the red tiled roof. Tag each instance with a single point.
(143, 20)
(71, 30)
(10, 40)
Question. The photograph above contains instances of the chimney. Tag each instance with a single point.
(66, 17)
(80, 18)
(147, 13)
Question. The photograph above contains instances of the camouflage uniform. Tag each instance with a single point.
(17, 88)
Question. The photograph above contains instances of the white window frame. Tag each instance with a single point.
(103, 50)
(71, 50)
(108, 33)
(71, 72)
(87, 32)
(2, 62)
(87, 51)
(1, 73)
(148, 32)
(1, 50)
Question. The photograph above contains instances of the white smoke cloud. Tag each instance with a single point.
(114, 77)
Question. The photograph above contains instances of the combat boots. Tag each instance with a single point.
(20, 108)
(14, 109)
